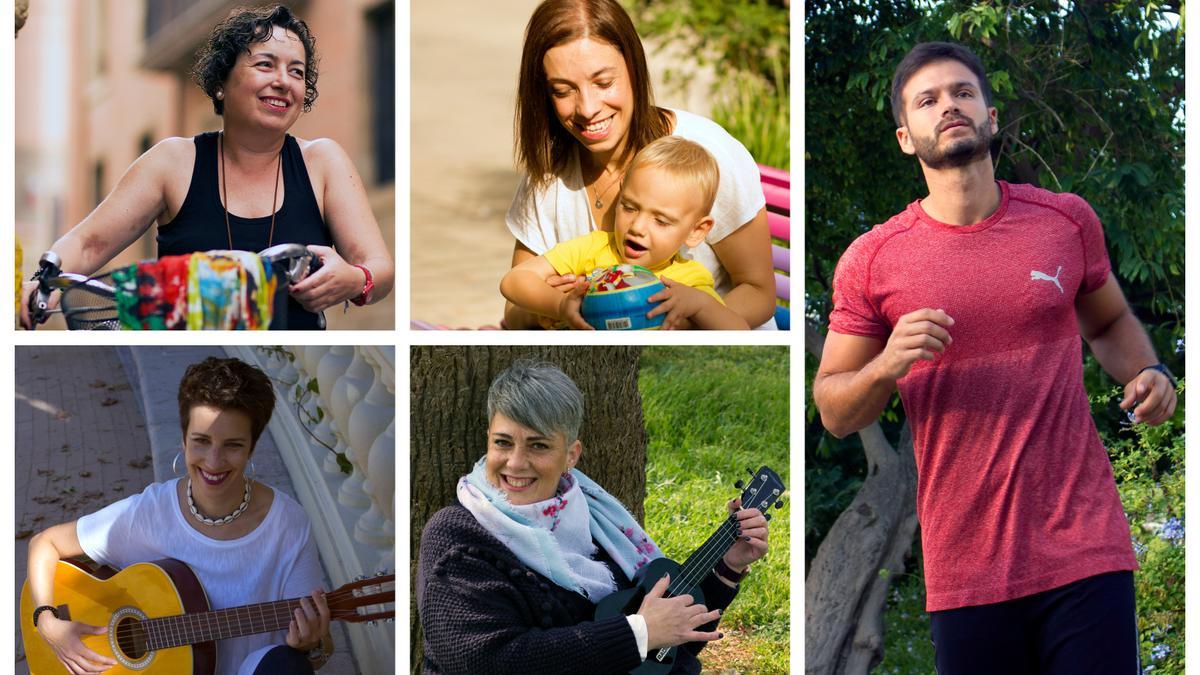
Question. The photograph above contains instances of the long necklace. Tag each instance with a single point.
(274, 194)
(600, 194)
(219, 521)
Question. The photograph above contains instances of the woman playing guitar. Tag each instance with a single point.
(245, 542)
(510, 576)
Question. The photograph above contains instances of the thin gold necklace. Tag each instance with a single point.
(274, 194)
(600, 194)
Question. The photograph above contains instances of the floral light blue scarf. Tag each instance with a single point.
(555, 537)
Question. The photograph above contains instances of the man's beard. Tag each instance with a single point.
(958, 152)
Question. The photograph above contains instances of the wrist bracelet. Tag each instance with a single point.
(368, 285)
(724, 571)
(317, 656)
(1162, 369)
(44, 608)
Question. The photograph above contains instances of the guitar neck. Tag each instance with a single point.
(704, 559)
(221, 624)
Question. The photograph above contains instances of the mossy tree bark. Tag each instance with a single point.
(847, 583)
(448, 421)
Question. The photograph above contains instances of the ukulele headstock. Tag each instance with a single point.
(364, 600)
(765, 488)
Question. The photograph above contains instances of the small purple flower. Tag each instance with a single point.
(1139, 548)
(1179, 347)
(1172, 530)
(1160, 652)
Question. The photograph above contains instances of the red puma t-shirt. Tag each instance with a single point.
(1015, 493)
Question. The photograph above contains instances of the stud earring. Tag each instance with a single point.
(220, 95)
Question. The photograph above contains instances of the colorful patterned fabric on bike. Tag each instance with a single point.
(218, 290)
(229, 290)
(152, 294)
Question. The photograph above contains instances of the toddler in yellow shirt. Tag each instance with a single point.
(665, 200)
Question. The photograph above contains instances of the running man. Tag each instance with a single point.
(971, 302)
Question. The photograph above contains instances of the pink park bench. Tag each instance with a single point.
(777, 187)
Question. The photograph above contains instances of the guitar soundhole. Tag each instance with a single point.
(131, 638)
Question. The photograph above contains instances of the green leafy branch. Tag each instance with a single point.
(301, 391)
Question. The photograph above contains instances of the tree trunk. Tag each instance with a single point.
(448, 411)
(21, 15)
(848, 580)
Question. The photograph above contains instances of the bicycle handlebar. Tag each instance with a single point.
(294, 261)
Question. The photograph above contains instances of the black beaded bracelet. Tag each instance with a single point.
(728, 574)
(44, 608)
(1162, 369)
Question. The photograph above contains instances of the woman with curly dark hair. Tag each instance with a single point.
(245, 542)
(249, 185)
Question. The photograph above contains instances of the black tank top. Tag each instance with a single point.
(200, 223)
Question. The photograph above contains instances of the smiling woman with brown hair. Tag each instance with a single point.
(251, 184)
(244, 541)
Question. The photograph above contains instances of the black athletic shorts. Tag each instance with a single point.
(1088, 626)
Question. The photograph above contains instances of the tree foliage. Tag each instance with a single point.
(747, 43)
(1090, 101)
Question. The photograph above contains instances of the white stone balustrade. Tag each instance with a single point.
(352, 514)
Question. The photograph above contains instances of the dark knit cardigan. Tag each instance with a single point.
(484, 611)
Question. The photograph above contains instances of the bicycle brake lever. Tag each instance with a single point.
(49, 267)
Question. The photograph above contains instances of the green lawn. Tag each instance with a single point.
(711, 412)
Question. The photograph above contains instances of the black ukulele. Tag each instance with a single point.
(765, 488)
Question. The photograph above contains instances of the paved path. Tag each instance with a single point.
(80, 441)
(96, 424)
(464, 81)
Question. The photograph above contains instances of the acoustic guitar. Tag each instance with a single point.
(159, 620)
(765, 489)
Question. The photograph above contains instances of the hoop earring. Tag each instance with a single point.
(175, 463)
(253, 471)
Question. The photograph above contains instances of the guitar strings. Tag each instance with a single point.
(706, 556)
(165, 632)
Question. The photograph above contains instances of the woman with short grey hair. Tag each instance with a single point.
(510, 575)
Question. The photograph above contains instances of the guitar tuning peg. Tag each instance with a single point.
(750, 471)
(380, 573)
(371, 623)
(779, 504)
(390, 620)
(767, 516)
(739, 484)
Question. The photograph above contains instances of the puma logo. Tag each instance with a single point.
(1035, 275)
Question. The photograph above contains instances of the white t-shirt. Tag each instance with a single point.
(276, 561)
(560, 211)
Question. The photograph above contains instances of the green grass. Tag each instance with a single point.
(907, 649)
(710, 412)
